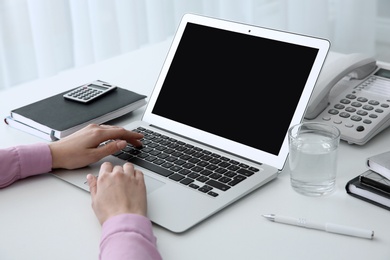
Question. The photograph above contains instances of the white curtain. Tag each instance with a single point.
(39, 38)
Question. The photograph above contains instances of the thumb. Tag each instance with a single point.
(92, 182)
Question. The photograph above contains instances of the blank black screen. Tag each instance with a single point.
(241, 87)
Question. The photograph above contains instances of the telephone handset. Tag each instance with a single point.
(362, 108)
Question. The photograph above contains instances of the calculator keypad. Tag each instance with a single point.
(85, 93)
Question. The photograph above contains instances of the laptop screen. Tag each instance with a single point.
(235, 85)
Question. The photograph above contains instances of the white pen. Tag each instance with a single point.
(328, 227)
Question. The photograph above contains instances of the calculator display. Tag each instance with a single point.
(98, 87)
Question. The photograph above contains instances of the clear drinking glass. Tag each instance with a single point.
(313, 151)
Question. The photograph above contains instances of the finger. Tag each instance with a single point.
(109, 126)
(115, 132)
(128, 168)
(139, 175)
(136, 143)
(111, 148)
(105, 168)
(140, 180)
(118, 168)
(92, 183)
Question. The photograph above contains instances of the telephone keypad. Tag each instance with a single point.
(361, 110)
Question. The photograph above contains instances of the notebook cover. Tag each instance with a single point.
(60, 114)
(375, 180)
(28, 129)
(380, 163)
(355, 181)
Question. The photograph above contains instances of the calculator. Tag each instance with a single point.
(89, 92)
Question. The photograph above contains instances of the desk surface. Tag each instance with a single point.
(45, 218)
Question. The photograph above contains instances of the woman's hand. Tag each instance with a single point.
(82, 147)
(117, 190)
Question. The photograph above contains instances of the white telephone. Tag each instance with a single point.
(353, 94)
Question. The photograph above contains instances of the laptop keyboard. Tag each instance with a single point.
(186, 164)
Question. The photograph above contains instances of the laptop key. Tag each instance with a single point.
(150, 166)
(217, 185)
(237, 179)
(205, 188)
(212, 193)
(176, 177)
(186, 181)
(202, 179)
(245, 172)
(124, 156)
(194, 186)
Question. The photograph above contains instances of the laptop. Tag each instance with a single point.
(217, 119)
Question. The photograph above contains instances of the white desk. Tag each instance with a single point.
(46, 218)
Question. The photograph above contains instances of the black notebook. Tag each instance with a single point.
(375, 180)
(373, 185)
(57, 117)
(368, 193)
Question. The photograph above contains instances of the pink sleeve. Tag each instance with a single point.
(22, 161)
(128, 236)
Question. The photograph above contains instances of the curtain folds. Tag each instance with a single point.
(39, 38)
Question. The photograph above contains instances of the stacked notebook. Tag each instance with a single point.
(374, 184)
(56, 117)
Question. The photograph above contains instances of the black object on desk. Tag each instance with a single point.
(368, 193)
(57, 117)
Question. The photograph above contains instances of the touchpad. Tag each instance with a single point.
(152, 184)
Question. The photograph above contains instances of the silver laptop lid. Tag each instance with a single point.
(225, 84)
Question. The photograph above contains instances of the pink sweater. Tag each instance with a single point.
(126, 236)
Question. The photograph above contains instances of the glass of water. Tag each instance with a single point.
(313, 157)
